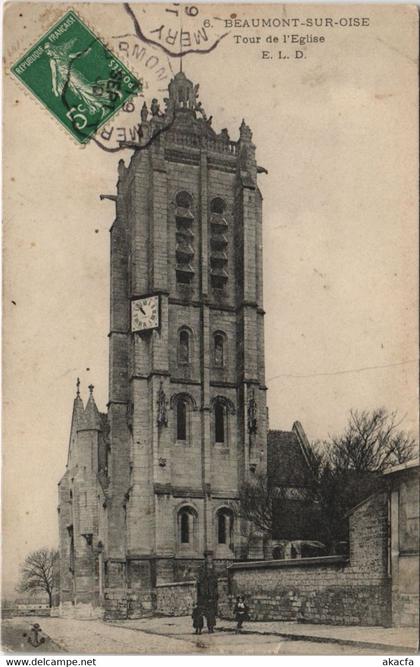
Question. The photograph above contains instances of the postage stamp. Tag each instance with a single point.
(76, 77)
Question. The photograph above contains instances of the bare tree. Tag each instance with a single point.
(37, 573)
(265, 507)
(372, 441)
(349, 467)
(346, 469)
(256, 503)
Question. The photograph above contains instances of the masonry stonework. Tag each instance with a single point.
(330, 589)
(404, 510)
(151, 487)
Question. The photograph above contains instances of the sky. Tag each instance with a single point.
(337, 134)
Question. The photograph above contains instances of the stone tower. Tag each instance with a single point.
(81, 497)
(187, 396)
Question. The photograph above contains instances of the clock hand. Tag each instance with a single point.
(141, 308)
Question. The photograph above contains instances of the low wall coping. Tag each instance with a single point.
(290, 562)
(191, 582)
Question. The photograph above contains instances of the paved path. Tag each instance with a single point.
(96, 637)
(174, 636)
(404, 640)
(14, 637)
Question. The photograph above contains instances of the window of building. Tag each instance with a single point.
(219, 419)
(221, 529)
(219, 352)
(184, 219)
(218, 244)
(71, 551)
(278, 553)
(183, 199)
(185, 528)
(181, 420)
(187, 525)
(184, 347)
(224, 526)
(217, 205)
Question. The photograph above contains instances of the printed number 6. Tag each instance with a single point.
(79, 120)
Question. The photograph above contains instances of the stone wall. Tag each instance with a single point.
(124, 603)
(226, 600)
(10, 612)
(330, 589)
(81, 610)
(176, 599)
(173, 597)
(404, 519)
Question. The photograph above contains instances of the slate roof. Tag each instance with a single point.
(286, 461)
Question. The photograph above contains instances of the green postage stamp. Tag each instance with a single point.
(76, 77)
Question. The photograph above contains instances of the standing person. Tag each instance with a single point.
(241, 612)
(211, 617)
(207, 591)
(198, 621)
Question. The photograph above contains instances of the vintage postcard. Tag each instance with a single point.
(210, 437)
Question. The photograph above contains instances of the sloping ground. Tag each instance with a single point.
(95, 637)
(14, 638)
(379, 639)
(175, 636)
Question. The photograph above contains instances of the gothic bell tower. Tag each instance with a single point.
(187, 395)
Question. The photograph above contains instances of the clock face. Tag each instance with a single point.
(145, 313)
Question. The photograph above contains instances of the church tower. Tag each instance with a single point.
(187, 417)
(187, 395)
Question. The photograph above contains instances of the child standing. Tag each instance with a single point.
(241, 612)
(198, 621)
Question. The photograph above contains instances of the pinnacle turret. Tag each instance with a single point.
(78, 409)
(92, 417)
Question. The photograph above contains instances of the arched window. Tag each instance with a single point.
(219, 421)
(184, 219)
(217, 205)
(185, 528)
(221, 529)
(184, 347)
(183, 199)
(72, 551)
(224, 526)
(181, 420)
(219, 351)
(278, 553)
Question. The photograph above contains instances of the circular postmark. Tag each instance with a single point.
(161, 34)
(157, 73)
(177, 29)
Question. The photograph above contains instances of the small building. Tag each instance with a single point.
(297, 525)
(32, 606)
(403, 555)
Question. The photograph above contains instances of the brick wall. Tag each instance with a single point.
(330, 589)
